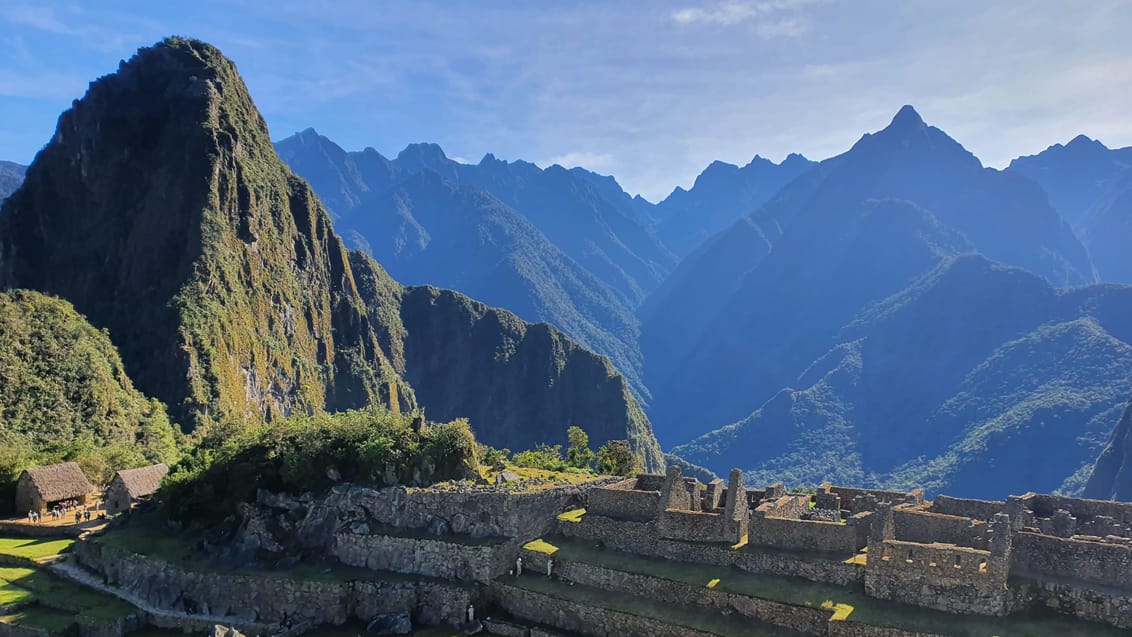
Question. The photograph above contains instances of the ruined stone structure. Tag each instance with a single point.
(432, 553)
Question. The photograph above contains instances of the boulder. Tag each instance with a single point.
(390, 624)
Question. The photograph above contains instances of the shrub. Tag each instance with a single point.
(616, 458)
(311, 454)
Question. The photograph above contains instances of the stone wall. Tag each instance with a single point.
(854, 629)
(1093, 562)
(1044, 506)
(896, 497)
(432, 557)
(585, 620)
(947, 578)
(694, 526)
(809, 535)
(12, 630)
(622, 501)
(642, 539)
(800, 618)
(1088, 603)
(966, 508)
(926, 527)
(787, 506)
(272, 598)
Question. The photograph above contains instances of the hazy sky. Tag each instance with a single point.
(650, 92)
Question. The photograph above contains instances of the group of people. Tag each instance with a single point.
(61, 510)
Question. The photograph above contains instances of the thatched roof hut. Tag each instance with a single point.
(129, 485)
(41, 487)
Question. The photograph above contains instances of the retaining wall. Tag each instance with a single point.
(271, 598)
(432, 557)
(1092, 562)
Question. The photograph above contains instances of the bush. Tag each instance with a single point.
(616, 458)
(311, 454)
(541, 457)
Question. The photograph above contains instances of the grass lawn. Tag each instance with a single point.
(34, 549)
(36, 616)
(802, 592)
(58, 593)
(12, 595)
(688, 617)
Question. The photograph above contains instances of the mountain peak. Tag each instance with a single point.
(425, 151)
(906, 119)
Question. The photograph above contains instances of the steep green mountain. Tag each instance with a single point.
(160, 209)
(518, 384)
(976, 380)
(415, 218)
(64, 394)
(11, 176)
(1091, 186)
(1112, 475)
(721, 195)
(743, 315)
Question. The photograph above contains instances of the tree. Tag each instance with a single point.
(616, 458)
(578, 454)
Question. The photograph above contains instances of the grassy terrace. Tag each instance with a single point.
(37, 550)
(36, 597)
(687, 617)
(798, 591)
(146, 536)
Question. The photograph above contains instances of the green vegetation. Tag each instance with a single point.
(34, 549)
(616, 458)
(578, 454)
(64, 395)
(690, 617)
(802, 592)
(58, 594)
(312, 453)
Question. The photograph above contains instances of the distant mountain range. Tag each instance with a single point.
(11, 176)
(1091, 186)
(896, 315)
(562, 246)
(721, 195)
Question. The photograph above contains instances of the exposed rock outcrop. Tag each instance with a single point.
(1112, 475)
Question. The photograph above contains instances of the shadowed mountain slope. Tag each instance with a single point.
(722, 194)
(977, 380)
(1112, 476)
(743, 315)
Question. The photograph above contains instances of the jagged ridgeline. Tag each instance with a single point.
(161, 210)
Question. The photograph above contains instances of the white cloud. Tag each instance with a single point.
(727, 14)
(788, 28)
(596, 162)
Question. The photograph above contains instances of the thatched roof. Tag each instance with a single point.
(59, 481)
(142, 481)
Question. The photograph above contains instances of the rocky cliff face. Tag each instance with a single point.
(518, 384)
(1112, 476)
(160, 209)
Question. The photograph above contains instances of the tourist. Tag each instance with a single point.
(519, 565)
(78, 516)
(549, 566)
(471, 613)
(31, 516)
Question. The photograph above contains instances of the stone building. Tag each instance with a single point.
(41, 488)
(131, 485)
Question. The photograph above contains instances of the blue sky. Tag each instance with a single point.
(650, 92)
